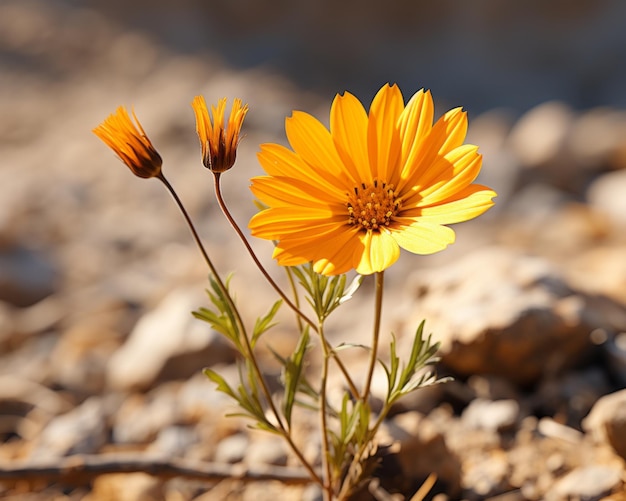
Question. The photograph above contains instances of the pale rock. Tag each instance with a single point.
(265, 450)
(606, 194)
(496, 416)
(600, 270)
(587, 483)
(173, 441)
(232, 449)
(596, 136)
(502, 313)
(140, 417)
(167, 343)
(539, 137)
(607, 421)
(486, 475)
(83, 430)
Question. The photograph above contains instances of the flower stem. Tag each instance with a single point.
(192, 227)
(242, 330)
(270, 280)
(327, 487)
(296, 299)
(378, 307)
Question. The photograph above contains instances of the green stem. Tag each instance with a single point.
(296, 299)
(326, 466)
(242, 330)
(378, 308)
(279, 291)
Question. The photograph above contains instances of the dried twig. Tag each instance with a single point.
(82, 468)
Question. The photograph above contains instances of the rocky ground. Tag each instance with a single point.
(99, 354)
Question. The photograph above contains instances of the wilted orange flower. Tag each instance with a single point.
(130, 142)
(219, 143)
(352, 196)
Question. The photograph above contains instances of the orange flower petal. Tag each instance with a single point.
(383, 138)
(463, 206)
(422, 237)
(348, 125)
(312, 142)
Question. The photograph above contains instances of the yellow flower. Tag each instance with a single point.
(129, 141)
(219, 143)
(352, 196)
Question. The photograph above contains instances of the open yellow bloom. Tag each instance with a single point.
(349, 198)
(129, 141)
(219, 143)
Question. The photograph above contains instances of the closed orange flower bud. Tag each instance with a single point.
(129, 141)
(219, 142)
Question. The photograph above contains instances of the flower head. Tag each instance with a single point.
(129, 141)
(219, 142)
(352, 196)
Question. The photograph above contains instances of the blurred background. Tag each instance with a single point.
(98, 272)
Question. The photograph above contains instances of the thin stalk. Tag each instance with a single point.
(279, 291)
(327, 487)
(378, 308)
(203, 251)
(242, 330)
(296, 299)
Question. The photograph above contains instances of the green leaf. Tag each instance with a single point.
(221, 317)
(247, 400)
(293, 369)
(263, 324)
(423, 353)
(323, 293)
(222, 385)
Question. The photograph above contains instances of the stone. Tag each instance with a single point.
(486, 475)
(596, 137)
(607, 421)
(140, 417)
(167, 343)
(83, 430)
(173, 441)
(26, 276)
(605, 194)
(539, 135)
(587, 483)
(265, 450)
(496, 416)
(232, 449)
(502, 313)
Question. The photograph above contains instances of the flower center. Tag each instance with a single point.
(373, 206)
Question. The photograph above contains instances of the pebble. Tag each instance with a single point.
(82, 430)
(232, 449)
(495, 416)
(587, 483)
(605, 194)
(167, 343)
(26, 276)
(607, 421)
